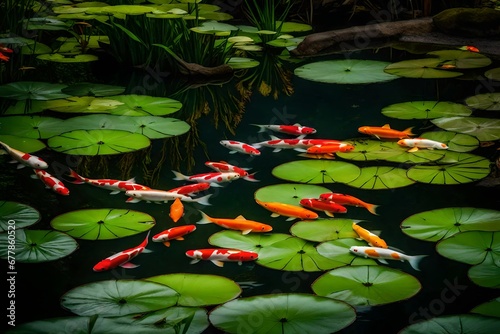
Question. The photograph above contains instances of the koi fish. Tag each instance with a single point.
(239, 223)
(51, 182)
(213, 178)
(295, 129)
(416, 143)
(24, 159)
(4, 57)
(386, 132)
(469, 48)
(348, 200)
(225, 167)
(383, 254)
(330, 148)
(299, 144)
(153, 195)
(237, 146)
(371, 238)
(116, 186)
(176, 210)
(174, 233)
(326, 206)
(122, 259)
(220, 255)
(191, 188)
(4, 49)
(287, 210)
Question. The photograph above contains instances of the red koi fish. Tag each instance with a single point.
(174, 233)
(220, 255)
(383, 254)
(4, 57)
(24, 159)
(116, 186)
(298, 144)
(176, 210)
(287, 210)
(386, 132)
(328, 207)
(191, 188)
(330, 148)
(51, 182)
(122, 259)
(348, 200)
(295, 129)
(371, 238)
(213, 178)
(154, 195)
(224, 167)
(237, 146)
(239, 223)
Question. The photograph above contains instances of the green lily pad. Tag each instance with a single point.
(289, 27)
(98, 142)
(28, 145)
(439, 224)
(83, 104)
(103, 224)
(23, 107)
(488, 101)
(493, 74)
(317, 171)
(455, 168)
(212, 27)
(366, 285)
(461, 323)
(118, 297)
(37, 127)
(92, 89)
(33, 246)
(486, 274)
(143, 105)
(490, 308)
(199, 290)
(461, 59)
(471, 247)
(45, 23)
(457, 142)
(250, 242)
(120, 9)
(282, 313)
(425, 110)
(289, 193)
(338, 250)
(35, 49)
(32, 90)
(345, 71)
(324, 229)
(59, 58)
(427, 68)
(15, 215)
(237, 63)
(381, 177)
(485, 129)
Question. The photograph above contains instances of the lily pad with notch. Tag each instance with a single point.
(488, 101)
(459, 323)
(289, 193)
(317, 171)
(426, 68)
(471, 247)
(17, 215)
(484, 129)
(36, 127)
(486, 274)
(143, 105)
(457, 142)
(32, 90)
(27, 145)
(381, 177)
(322, 230)
(237, 63)
(461, 59)
(425, 110)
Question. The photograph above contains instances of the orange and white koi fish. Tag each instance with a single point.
(371, 238)
(330, 148)
(51, 182)
(386, 132)
(383, 254)
(116, 186)
(154, 195)
(416, 143)
(176, 210)
(469, 48)
(343, 199)
(237, 146)
(24, 159)
(295, 129)
(174, 233)
(298, 144)
(328, 207)
(220, 255)
(191, 188)
(225, 167)
(123, 258)
(213, 178)
(287, 210)
(239, 223)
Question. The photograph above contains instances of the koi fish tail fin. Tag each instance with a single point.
(408, 131)
(78, 179)
(257, 145)
(203, 200)
(372, 208)
(179, 176)
(251, 177)
(262, 128)
(415, 261)
(205, 219)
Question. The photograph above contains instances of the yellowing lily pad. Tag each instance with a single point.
(142, 105)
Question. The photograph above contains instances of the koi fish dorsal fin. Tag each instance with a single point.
(387, 126)
(408, 131)
(240, 217)
(223, 162)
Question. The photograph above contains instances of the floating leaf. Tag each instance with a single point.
(237, 63)
(289, 193)
(472, 247)
(457, 142)
(24, 90)
(486, 274)
(28, 145)
(381, 178)
(15, 215)
(45, 23)
(282, 313)
(143, 105)
(338, 250)
(425, 110)
(92, 89)
(462, 323)
(35, 49)
(103, 224)
(366, 285)
(490, 309)
(461, 59)
(36, 127)
(488, 101)
(289, 27)
(485, 129)
(83, 104)
(213, 27)
(250, 242)
(493, 74)
(324, 229)
(317, 171)
(59, 58)
(33, 246)
(427, 68)
(23, 107)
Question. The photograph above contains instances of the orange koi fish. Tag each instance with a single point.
(176, 210)
(386, 132)
(372, 239)
(174, 233)
(330, 148)
(240, 223)
(348, 200)
(287, 210)
(383, 254)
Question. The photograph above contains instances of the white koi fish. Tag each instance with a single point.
(383, 254)
(154, 195)
(116, 186)
(237, 146)
(24, 159)
(416, 143)
(51, 182)
(213, 178)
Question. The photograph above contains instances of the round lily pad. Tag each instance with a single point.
(493, 74)
(439, 224)
(92, 89)
(27, 145)
(15, 215)
(490, 308)
(425, 110)
(83, 104)
(24, 107)
(486, 274)
(366, 285)
(427, 68)
(282, 313)
(213, 27)
(289, 27)
(33, 246)
(461, 323)
(59, 58)
(143, 105)
(36, 127)
(32, 90)
(237, 63)
(317, 171)
(471, 247)
(289, 193)
(488, 101)
(118, 297)
(461, 59)
(338, 250)
(98, 142)
(103, 224)
(485, 129)
(345, 71)
(457, 142)
(324, 229)
(381, 177)
(199, 290)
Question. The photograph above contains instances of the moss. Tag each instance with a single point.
(470, 22)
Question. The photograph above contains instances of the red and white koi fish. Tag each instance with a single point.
(123, 258)
(51, 182)
(330, 148)
(416, 143)
(295, 129)
(225, 167)
(154, 195)
(237, 146)
(371, 238)
(176, 210)
(220, 255)
(174, 233)
(348, 200)
(24, 159)
(191, 188)
(116, 186)
(327, 206)
(213, 178)
(383, 254)
(385, 132)
(299, 144)
(239, 223)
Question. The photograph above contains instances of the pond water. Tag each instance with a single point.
(336, 111)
